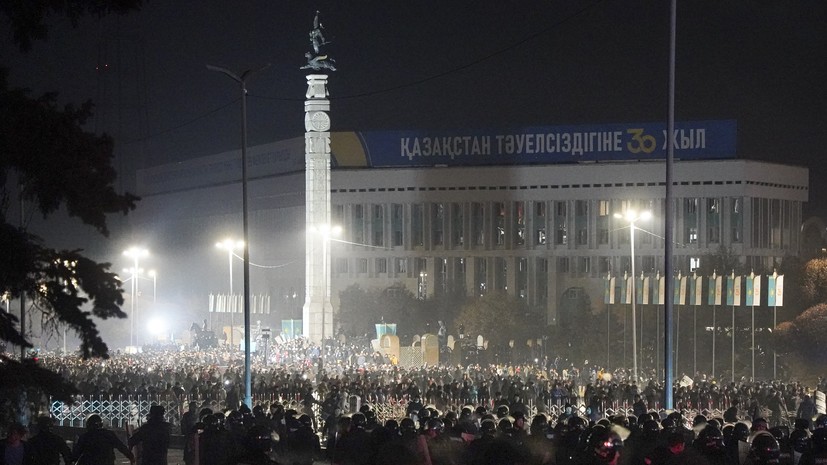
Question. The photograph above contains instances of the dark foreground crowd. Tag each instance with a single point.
(548, 413)
(425, 436)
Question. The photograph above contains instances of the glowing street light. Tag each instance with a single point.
(230, 245)
(633, 216)
(325, 232)
(154, 275)
(135, 253)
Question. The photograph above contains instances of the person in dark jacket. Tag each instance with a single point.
(97, 445)
(153, 437)
(14, 450)
(46, 446)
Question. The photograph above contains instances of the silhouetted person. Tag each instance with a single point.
(153, 437)
(97, 445)
(46, 446)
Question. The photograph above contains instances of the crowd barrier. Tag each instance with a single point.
(133, 410)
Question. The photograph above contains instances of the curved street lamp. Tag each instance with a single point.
(633, 216)
(135, 253)
(230, 245)
(325, 232)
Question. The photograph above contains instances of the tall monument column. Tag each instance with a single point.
(317, 313)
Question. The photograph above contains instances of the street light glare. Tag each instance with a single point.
(230, 244)
(646, 215)
(326, 230)
(136, 252)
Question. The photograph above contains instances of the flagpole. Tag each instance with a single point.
(695, 302)
(714, 330)
(751, 285)
(753, 343)
(677, 338)
(733, 343)
(657, 344)
(774, 354)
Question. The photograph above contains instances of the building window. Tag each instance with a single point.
(736, 219)
(477, 221)
(378, 224)
(584, 266)
(604, 265)
(500, 274)
(713, 220)
(381, 265)
(581, 220)
(437, 223)
(358, 225)
(691, 205)
(540, 222)
(519, 223)
(457, 225)
(603, 207)
(522, 277)
(420, 265)
(561, 221)
(480, 274)
(402, 265)
(562, 264)
(694, 264)
(693, 235)
(396, 224)
(561, 237)
(582, 237)
(363, 265)
(499, 223)
(648, 263)
(341, 265)
(603, 230)
(417, 225)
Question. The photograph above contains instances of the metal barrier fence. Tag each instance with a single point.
(122, 411)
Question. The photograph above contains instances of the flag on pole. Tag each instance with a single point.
(779, 291)
(737, 292)
(638, 289)
(623, 289)
(680, 290)
(756, 290)
(753, 290)
(730, 290)
(630, 282)
(644, 290)
(609, 292)
(775, 290)
(696, 287)
(715, 290)
(661, 291)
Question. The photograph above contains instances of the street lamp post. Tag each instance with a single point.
(154, 275)
(632, 216)
(135, 253)
(242, 80)
(325, 231)
(230, 246)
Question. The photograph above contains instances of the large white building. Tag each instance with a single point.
(477, 212)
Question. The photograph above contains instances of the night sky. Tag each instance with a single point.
(455, 64)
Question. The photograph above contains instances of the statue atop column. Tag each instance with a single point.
(316, 58)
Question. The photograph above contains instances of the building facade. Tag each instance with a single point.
(542, 232)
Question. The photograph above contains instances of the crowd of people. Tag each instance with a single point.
(533, 413)
(293, 371)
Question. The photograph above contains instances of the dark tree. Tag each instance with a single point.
(50, 162)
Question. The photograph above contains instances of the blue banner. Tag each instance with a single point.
(535, 145)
